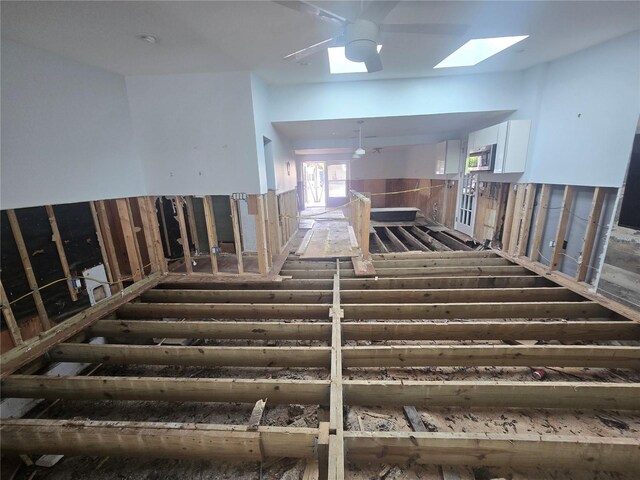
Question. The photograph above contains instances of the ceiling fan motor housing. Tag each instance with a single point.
(361, 41)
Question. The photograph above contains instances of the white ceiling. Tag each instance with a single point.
(218, 36)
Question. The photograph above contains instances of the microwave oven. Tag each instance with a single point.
(481, 158)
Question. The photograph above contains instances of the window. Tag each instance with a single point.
(337, 180)
(629, 211)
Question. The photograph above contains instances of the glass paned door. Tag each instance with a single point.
(314, 184)
(466, 209)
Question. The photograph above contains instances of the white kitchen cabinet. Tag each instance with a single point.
(512, 143)
(448, 157)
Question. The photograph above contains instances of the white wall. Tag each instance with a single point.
(281, 146)
(66, 131)
(195, 133)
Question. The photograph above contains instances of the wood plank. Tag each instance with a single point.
(563, 224)
(492, 355)
(223, 330)
(395, 240)
(478, 449)
(222, 310)
(34, 347)
(509, 270)
(238, 296)
(543, 210)
(508, 219)
(517, 218)
(28, 269)
(412, 240)
(494, 394)
(305, 242)
(525, 224)
(237, 239)
(155, 231)
(194, 356)
(412, 415)
(381, 246)
(108, 242)
(184, 237)
(485, 281)
(436, 255)
(457, 472)
(442, 262)
(256, 415)
(274, 224)
(429, 240)
(129, 234)
(261, 237)
(450, 238)
(191, 217)
(101, 244)
(362, 267)
(590, 233)
(154, 439)
(479, 330)
(57, 239)
(323, 451)
(148, 233)
(567, 310)
(278, 391)
(364, 227)
(135, 229)
(9, 319)
(212, 236)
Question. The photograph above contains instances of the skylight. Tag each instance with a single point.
(338, 63)
(477, 50)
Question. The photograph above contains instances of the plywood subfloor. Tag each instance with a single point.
(330, 239)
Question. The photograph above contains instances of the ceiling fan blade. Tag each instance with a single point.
(377, 10)
(425, 28)
(315, 48)
(311, 9)
(374, 64)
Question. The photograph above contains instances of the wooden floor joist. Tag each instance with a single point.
(224, 310)
(435, 255)
(278, 391)
(442, 262)
(518, 281)
(488, 394)
(151, 439)
(476, 449)
(237, 296)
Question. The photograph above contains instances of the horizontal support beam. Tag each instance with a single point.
(477, 449)
(238, 296)
(194, 356)
(307, 392)
(435, 255)
(195, 283)
(567, 310)
(566, 395)
(521, 281)
(443, 262)
(155, 440)
(458, 295)
(214, 330)
(224, 310)
(492, 355)
(528, 330)
(452, 271)
(299, 274)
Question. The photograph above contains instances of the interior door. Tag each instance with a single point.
(314, 184)
(466, 205)
(337, 191)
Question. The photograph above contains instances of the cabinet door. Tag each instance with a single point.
(517, 146)
(441, 158)
(472, 143)
(501, 148)
(452, 162)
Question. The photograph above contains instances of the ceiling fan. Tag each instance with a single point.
(360, 35)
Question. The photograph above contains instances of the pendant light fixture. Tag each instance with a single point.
(359, 151)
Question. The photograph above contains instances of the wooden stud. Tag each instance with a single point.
(163, 440)
(147, 233)
(60, 247)
(517, 218)
(274, 225)
(314, 357)
(365, 227)
(508, 218)
(28, 269)
(590, 233)
(108, 242)
(155, 229)
(545, 195)
(165, 231)
(261, 237)
(212, 235)
(237, 239)
(129, 238)
(191, 216)
(563, 224)
(525, 224)
(9, 319)
(135, 228)
(101, 242)
(186, 247)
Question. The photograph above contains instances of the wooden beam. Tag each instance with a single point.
(517, 218)
(543, 210)
(57, 239)
(109, 244)
(435, 255)
(212, 236)
(240, 296)
(165, 231)
(336, 403)
(491, 355)
(191, 217)
(323, 451)
(223, 310)
(525, 224)
(508, 219)
(563, 224)
(365, 226)
(477, 449)
(148, 233)
(34, 347)
(395, 240)
(529, 330)
(261, 237)
(278, 391)
(378, 241)
(156, 440)
(178, 281)
(101, 244)
(565, 310)
(429, 240)
(9, 319)
(186, 248)
(129, 238)
(447, 238)
(442, 262)
(155, 230)
(256, 415)
(231, 330)
(413, 240)
(28, 269)
(590, 233)
(486, 281)
(318, 357)
(237, 240)
(509, 270)
(493, 394)
(274, 224)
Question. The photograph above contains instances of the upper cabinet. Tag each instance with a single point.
(448, 157)
(512, 142)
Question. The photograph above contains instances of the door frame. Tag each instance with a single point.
(458, 224)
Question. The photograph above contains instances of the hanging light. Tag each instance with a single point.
(355, 155)
(359, 151)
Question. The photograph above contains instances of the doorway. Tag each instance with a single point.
(466, 205)
(314, 184)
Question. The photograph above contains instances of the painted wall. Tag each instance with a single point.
(66, 131)
(195, 133)
(281, 147)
